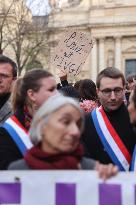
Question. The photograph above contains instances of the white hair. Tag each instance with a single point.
(53, 104)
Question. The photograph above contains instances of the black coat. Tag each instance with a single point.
(92, 143)
(9, 151)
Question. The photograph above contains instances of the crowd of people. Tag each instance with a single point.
(64, 126)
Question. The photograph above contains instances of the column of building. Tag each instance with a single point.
(98, 55)
(118, 52)
(101, 54)
(94, 61)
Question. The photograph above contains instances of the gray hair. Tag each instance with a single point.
(41, 117)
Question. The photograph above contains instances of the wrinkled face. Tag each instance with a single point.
(6, 78)
(132, 109)
(62, 131)
(47, 89)
(111, 93)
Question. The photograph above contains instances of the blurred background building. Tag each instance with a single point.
(111, 22)
(31, 40)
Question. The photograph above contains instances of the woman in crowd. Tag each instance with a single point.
(132, 107)
(88, 95)
(55, 132)
(130, 83)
(132, 114)
(28, 95)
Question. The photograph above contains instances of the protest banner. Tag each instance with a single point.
(66, 188)
(71, 52)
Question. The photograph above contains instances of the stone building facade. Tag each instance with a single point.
(111, 22)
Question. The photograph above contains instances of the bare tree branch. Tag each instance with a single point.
(23, 35)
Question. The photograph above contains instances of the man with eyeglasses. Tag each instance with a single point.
(108, 136)
(8, 73)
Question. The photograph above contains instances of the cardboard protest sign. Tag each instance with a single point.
(72, 51)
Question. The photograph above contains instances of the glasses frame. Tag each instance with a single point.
(117, 91)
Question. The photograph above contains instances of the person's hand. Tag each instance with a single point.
(106, 171)
(62, 75)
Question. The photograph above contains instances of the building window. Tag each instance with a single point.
(130, 67)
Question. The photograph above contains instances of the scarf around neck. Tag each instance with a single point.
(38, 159)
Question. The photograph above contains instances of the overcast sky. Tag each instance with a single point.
(38, 7)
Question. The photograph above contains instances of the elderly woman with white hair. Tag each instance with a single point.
(55, 132)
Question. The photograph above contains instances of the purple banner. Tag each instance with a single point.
(135, 194)
(10, 193)
(65, 194)
(109, 194)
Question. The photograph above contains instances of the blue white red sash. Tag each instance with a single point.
(110, 140)
(18, 133)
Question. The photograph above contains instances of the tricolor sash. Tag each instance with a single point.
(18, 133)
(111, 140)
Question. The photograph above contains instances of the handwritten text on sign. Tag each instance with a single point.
(72, 51)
